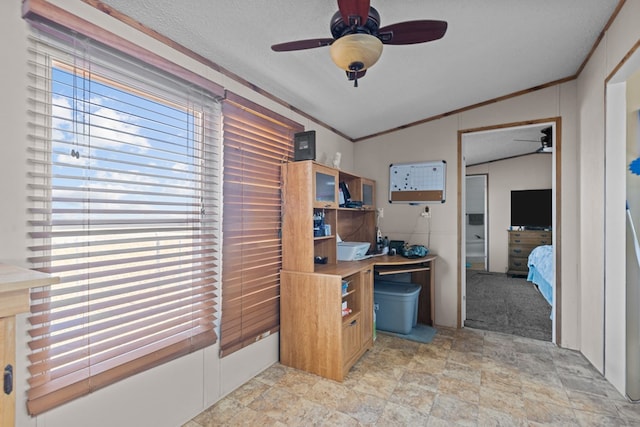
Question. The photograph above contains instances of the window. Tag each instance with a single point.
(256, 143)
(124, 206)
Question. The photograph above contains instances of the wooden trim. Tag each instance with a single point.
(470, 107)
(612, 18)
(191, 54)
(201, 59)
(509, 125)
(558, 225)
(41, 10)
(623, 61)
(257, 109)
(513, 94)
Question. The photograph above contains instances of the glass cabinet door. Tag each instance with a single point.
(326, 186)
(368, 194)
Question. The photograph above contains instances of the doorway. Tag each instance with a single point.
(499, 221)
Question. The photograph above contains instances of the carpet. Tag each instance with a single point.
(501, 303)
(419, 333)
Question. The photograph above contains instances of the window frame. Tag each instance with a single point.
(44, 399)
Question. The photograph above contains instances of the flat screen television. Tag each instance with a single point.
(531, 208)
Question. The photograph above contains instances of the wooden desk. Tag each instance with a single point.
(315, 336)
(15, 283)
(422, 273)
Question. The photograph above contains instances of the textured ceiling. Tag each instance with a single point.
(492, 48)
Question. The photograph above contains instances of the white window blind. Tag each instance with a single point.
(124, 191)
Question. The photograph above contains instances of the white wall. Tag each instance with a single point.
(433, 141)
(521, 173)
(616, 44)
(632, 279)
(580, 104)
(438, 140)
(621, 325)
(173, 393)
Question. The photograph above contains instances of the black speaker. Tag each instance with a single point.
(304, 145)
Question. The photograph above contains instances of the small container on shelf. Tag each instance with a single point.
(345, 309)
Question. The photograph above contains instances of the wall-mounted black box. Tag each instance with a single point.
(304, 145)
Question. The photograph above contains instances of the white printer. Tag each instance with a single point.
(352, 251)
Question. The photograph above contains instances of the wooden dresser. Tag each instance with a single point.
(521, 243)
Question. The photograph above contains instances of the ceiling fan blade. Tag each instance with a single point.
(354, 12)
(301, 45)
(411, 32)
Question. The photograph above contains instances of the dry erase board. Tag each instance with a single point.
(417, 182)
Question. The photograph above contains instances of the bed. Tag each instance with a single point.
(541, 270)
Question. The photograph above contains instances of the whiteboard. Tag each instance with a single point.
(420, 182)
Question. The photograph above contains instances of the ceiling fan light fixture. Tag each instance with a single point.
(546, 140)
(356, 52)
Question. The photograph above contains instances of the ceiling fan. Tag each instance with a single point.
(357, 37)
(546, 141)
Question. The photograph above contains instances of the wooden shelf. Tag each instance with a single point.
(347, 293)
(349, 317)
(324, 237)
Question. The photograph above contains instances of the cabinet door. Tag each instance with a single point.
(351, 335)
(367, 307)
(368, 193)
(325, 187)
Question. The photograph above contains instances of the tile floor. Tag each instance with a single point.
(464, 378)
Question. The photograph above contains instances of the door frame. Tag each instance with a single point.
(557, 223)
